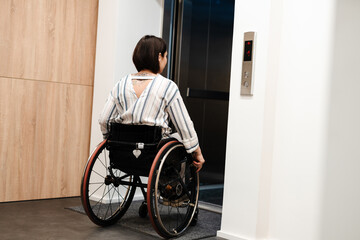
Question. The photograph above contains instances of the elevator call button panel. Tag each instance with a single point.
(247, 81)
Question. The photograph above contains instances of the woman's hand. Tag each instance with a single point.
(198, 159)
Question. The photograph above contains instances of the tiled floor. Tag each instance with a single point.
(48, 219)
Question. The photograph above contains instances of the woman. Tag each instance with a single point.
(147, 98)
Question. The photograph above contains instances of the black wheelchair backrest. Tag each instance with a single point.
(133, 147)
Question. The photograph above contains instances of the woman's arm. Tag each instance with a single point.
(184, 126)
(181, 120)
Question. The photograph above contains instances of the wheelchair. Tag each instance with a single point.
(113, 172)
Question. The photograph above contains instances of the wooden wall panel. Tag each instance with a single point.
(44, 140)
(48, 40)
(47, 57)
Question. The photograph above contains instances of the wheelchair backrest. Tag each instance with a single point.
(133, 147)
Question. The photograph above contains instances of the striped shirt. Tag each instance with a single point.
(158, 103)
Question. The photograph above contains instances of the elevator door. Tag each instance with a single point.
(199, 35)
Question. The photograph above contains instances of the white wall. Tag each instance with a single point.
(277, 150)
(302, 105)
(121, 24)
(340, 211)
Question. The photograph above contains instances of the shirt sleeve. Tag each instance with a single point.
(109, 112)
(182, 121)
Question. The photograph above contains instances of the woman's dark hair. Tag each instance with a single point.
(146, 53)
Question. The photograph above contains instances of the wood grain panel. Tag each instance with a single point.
(44, 140)
(49, 40)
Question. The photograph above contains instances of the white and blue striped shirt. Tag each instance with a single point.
(158, 103)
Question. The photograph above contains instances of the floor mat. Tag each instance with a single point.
(207, 226)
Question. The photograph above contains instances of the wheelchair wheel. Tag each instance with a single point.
(173, 190)
(106, 193)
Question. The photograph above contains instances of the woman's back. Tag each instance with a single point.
(147, 104)
(140, 83)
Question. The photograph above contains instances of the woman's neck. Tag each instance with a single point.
(145, 72)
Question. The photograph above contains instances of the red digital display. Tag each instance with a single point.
(248, 51)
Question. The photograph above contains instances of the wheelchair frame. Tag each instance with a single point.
(171, 195)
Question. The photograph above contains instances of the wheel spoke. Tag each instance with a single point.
(102, 162)
(109, 205)
(97, 189)
(104, 194)
(99, 201)
(98, 173)
(119, 194)
(119, 197)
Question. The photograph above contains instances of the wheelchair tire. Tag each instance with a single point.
(172, 191)
(103, 201)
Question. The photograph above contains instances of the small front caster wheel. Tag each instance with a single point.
(143, 210)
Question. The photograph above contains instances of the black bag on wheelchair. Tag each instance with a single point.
(133, 147)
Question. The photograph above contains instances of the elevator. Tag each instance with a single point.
(199, 36)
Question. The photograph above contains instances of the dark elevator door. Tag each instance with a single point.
(199, 34)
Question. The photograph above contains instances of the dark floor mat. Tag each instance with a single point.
(207, 226)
